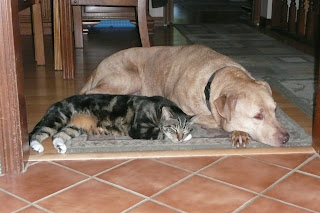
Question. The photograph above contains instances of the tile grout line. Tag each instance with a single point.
(145, 198)
(168, 206)
(120, 187)
(104, 171)
(151, 200)
(94, 177)
(174, 184)
(165, 189)
(187, 177)
(172, 166)
(29, 164)
(270, 163)
(261, 194)
(114, 167)
(228, 184)
(70, 169)
(283, 167)
(88, 178)
(32, 205)
(62, 190)
(28, 203)
(15, 196)
(199, 170)
(308, 174)
(197, 173)
(243, 206)
(22, 208)
(287, 203)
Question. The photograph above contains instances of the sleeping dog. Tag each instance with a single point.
(202, 82)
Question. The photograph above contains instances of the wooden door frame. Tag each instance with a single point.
(316, 114)
(14, 148)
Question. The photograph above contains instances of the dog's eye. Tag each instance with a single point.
(258, 116)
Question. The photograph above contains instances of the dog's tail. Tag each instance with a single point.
(89, 83)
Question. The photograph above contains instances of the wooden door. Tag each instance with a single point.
(316, 121)
(14, 148)
(316, 117)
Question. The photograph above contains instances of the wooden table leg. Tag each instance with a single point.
(67, 51)
(77, 26)
(168, 13)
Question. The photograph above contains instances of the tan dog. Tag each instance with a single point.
(237, 103)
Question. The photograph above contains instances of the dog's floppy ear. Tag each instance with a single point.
(266, 85)
(225, 105)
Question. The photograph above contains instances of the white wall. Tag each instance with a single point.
(266, 8)
(155, 12)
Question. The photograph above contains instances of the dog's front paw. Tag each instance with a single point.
(240, 139)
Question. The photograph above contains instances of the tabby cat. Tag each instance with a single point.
(139, 117)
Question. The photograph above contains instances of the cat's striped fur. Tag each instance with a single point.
(139, 117)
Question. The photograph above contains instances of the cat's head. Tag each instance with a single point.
(176, 125)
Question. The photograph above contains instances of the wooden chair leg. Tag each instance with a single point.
(77, 25)
(57, 36)
(168, 13)
(38, 34)
(66, 35)
(142, 22)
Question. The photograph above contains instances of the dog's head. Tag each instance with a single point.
(252, 110)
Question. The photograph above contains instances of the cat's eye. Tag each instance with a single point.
(186, 131)
(169, 129)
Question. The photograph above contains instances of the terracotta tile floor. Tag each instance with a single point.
(264, 183)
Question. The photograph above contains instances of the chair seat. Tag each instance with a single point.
(106, 2)
(139, 4)
(66, 11)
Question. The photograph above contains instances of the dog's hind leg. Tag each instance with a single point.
(97, 90)
(124, 89)
(125, 83)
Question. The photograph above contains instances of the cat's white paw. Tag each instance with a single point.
(59, 145)
(188, 137)
(36, 146)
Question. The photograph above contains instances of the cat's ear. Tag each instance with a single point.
(166, 113)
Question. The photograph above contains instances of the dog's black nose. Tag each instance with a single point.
(284, 137)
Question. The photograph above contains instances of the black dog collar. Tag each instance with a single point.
(207, 89)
